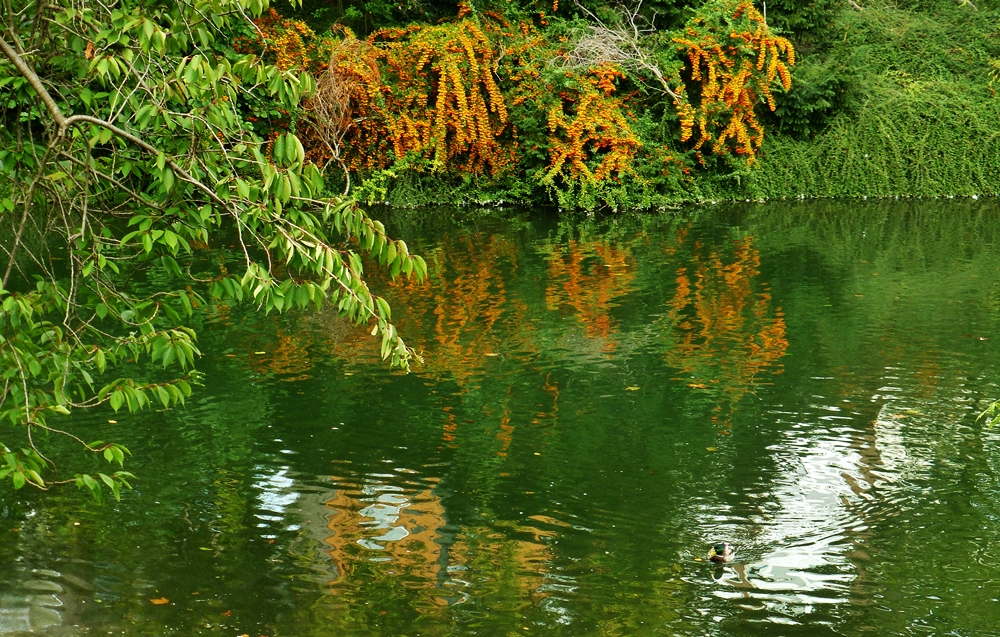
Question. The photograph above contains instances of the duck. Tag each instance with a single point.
(722, 552)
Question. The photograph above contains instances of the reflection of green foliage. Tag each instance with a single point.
(627, 468)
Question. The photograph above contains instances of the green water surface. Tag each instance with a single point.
(602, 399)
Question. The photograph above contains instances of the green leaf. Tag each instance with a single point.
(383, 308)
(278, 152)
(167, 179)
(163, 395)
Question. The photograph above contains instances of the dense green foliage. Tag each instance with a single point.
(898, 101)
(132, 191)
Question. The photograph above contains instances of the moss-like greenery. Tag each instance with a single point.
(902, 104)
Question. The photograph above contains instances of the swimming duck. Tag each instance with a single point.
(722, 552)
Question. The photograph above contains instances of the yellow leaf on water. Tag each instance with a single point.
(712, 448)
(633, 388)
(160, 601)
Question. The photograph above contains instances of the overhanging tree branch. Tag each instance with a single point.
(64, 123)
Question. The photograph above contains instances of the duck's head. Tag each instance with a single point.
(721, 552)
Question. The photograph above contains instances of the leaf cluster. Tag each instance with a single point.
(129, 165)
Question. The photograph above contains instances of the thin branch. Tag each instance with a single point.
(621, 45)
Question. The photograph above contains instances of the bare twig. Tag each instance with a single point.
(620, 45)
(331, 104)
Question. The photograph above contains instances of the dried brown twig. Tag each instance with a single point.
(331, 104)
(620, 45)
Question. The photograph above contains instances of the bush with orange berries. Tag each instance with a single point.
(484, 97)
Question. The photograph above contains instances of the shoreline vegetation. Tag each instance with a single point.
(597, 105)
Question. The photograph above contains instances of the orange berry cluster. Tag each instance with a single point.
(590, 137)
(288, 44)
(728, 65)
(429, 91)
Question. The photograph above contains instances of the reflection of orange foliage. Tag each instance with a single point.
(590, 277)
(928, 373)
(382, 532)
(467, 297)
(724, 333)
(400, 528)
(287, 354)
(514, 565)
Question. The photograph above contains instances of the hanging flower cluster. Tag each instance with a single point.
(590, 137)
(734, 59)
(428, 91)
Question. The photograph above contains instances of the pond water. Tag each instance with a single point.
(601, 401)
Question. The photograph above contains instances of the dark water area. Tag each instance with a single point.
(602, 399)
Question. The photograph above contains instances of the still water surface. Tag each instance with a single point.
(602, 400)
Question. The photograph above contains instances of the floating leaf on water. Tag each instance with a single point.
(711, 448)
(160, 601)
(632, 388)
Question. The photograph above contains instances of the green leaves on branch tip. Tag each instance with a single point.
(991, 414)
(96, 483)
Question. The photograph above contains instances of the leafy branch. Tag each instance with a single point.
(126, 153)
